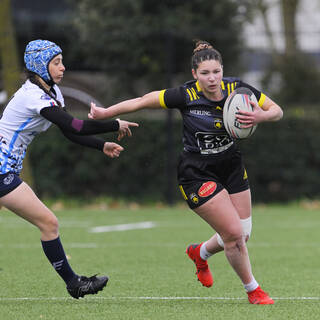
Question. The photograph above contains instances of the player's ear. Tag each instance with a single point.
(194, 74)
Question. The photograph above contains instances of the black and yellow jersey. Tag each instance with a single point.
(203, 129)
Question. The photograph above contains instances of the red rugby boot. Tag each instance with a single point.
(258, 296)
(203, 273)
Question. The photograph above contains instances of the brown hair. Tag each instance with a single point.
(204, 51)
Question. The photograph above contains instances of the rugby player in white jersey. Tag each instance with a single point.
(31, 110)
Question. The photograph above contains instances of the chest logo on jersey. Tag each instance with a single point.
(45, 97)
(218, 123)
(201, 112)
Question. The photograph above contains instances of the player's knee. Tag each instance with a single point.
(235, 235)
(50, 225)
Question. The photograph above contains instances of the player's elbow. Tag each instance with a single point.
(276, 113)
(279, 114)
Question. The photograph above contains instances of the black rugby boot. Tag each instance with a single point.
(82, 285)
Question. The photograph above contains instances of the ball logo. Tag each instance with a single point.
(236, 123)
(207, 189)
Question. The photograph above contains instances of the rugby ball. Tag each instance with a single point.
(238, 100)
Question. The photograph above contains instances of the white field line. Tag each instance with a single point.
(124, 227)
(93, 245)
(38, 245)
(154, 298)
(136, 244)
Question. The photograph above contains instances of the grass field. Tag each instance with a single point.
(150, 274)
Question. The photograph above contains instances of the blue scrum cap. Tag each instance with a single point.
(37, 56)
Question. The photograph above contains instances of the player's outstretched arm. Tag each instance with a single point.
(149, 100)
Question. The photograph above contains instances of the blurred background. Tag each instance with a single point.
(119, 49)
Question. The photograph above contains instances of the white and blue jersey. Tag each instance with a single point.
(21, 122)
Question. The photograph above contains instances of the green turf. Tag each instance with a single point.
(151, 276)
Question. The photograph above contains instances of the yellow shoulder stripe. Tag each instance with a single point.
(190, 95)
(229, 91)
(195, 96)
(161, 99)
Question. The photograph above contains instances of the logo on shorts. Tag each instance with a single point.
(8, 179)
(193, 197)
(207, 189)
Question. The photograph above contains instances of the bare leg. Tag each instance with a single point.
(220, 213)
(23, 202)
(242, 202)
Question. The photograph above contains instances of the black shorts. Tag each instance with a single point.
(201, 177)
(8, 182)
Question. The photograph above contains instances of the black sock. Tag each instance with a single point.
(55, 254)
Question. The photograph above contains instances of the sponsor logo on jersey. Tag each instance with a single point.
(193, 197)
(207, 189)
(201, 112)
(45, 97)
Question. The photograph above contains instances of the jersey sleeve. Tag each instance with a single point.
(87, 141)
(37, 99)
(66, 122)
(172, 98)
(259, 95)
(36, 105)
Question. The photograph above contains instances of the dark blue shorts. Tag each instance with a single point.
(8, 182)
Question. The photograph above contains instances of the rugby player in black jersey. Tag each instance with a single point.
(211, 174)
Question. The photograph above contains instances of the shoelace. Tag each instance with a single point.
(201, 264)
(92, 278)
(260, 293)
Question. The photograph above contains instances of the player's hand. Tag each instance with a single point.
(96, 113)
(124, 128)
(112, 149)
(250, 119)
